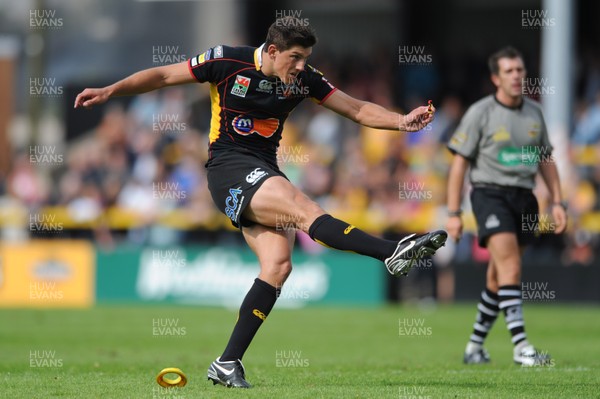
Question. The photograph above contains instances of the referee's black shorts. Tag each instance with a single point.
(233, 179)
(500, 209)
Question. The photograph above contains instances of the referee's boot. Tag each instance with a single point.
(412, 248)
(230, 374)
(528, 356)
(478, 356)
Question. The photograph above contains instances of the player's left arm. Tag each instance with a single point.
(549, 174)
(376, 116)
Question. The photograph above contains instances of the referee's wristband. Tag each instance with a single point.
(562, 204)
(455, 213)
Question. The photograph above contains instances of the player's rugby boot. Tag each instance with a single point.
(412, 248)
(230, 374)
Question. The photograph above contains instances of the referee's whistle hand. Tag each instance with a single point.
(560, 219)
(454, 227)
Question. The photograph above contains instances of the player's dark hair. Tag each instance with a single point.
(289, 31)
(506, 52)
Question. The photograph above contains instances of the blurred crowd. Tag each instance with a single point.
(139, 175)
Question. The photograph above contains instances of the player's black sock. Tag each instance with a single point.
(511, 303)
(487, 312)
(334, 233)
(254, 310)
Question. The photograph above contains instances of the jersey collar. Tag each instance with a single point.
(517, 108)
(258, 57)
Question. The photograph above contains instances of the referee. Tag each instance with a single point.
(252, 91)
(503, 139)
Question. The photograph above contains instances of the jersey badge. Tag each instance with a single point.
(241, 85)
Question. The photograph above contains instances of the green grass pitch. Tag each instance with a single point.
(390, 352)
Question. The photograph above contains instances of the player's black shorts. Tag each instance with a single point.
(233, 178)
(504, 209)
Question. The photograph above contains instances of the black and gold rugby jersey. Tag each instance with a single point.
(248, 107)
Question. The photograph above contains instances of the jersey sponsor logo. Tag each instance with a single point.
(255, 176)
(511, 156)
(202, 58)
(246, 125)
(218, 52)
(233, 204)
(259, 314)
(264, 86)
(501, 135)
(241, 85)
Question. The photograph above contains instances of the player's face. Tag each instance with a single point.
(289, 63)
(511, 73)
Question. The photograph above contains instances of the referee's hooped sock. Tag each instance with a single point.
(511, 303)
(487, 312)
(334, 233)
(255, 308)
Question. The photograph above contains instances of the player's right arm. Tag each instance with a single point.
(138, 83)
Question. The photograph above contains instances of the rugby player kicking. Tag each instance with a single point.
(252, 91)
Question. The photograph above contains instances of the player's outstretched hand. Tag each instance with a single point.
(417, 119)
(91, 97)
